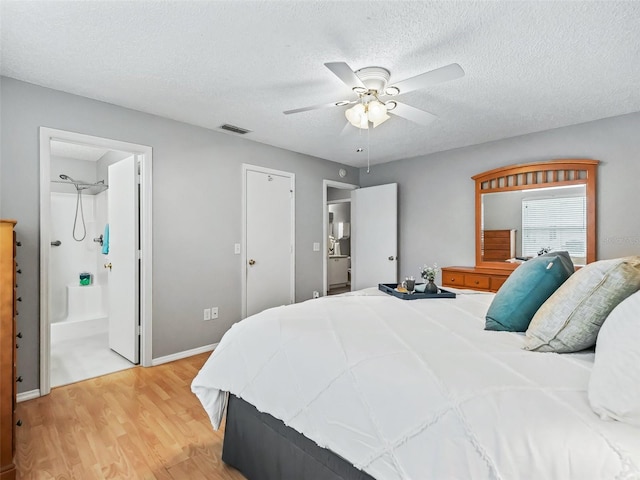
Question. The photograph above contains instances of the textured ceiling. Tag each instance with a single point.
(529, 65)
(78, 152)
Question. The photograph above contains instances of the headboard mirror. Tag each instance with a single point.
(523, 210)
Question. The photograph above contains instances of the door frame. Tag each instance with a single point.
(325, 223)
(144, 154)
(243, 256)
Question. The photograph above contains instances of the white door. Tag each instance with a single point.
(374, 236)
(123, 248)
(269, 239)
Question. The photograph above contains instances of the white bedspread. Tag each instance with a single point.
(419, 390)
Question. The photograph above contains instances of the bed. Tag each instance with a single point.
(365, 385)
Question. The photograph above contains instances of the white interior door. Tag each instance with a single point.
(123, 248)
(374, 236)
(269, 240)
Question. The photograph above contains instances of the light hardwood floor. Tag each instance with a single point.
(141, 423)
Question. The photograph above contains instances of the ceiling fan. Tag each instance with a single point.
(371, 84)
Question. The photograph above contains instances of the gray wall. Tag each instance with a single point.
(196, 211)
(437, 198)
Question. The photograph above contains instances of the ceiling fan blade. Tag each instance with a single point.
(318, 107)
(346, 129)
(345, 73)
(439, 75)
(413, 114)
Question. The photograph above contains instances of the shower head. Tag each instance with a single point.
(79, 184)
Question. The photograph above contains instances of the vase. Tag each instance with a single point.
(430, 287)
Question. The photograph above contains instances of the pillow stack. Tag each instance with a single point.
(569, 316)
(570, 319)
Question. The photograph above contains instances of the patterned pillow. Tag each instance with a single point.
(570, 319)
(614, 386)
(525, 290)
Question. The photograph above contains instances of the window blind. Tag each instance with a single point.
(557, 223)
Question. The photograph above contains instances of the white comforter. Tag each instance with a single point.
(419, 390)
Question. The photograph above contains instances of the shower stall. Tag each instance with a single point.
(78, 219)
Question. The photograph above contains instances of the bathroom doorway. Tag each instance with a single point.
(337, 237)
(76, 316)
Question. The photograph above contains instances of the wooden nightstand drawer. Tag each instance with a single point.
(486, 279)
(496, 283)
(452, 279)
(476, 281)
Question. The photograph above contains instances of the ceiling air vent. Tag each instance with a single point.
(234, 129)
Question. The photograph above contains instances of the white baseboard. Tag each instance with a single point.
(30, 395)
(187, 353)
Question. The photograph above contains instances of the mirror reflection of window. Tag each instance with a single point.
(555, 223)
(546, 218)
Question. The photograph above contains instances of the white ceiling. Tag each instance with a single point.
(529, 65)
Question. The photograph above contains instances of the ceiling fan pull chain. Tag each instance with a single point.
(368, 149)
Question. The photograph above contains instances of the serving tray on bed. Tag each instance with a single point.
(390, 288)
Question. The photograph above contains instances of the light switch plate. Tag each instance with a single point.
(316, 246)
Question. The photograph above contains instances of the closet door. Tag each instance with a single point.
(269, 272)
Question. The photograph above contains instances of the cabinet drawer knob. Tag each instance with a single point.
(19, 379)
(19, 423)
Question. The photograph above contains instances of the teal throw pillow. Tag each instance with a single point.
(526, 289)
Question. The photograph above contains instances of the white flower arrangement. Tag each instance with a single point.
(429, 273)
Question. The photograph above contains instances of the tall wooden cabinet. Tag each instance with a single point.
(7, 349)
(498, 245)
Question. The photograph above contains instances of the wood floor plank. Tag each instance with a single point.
(141, 423)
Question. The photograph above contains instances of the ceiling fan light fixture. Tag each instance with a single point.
(392, 91)
(376, 112)
(357, 116)
(381, 120)
(342, 103)
(391, 105)
(359, 90)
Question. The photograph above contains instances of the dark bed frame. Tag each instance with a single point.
(264, 448)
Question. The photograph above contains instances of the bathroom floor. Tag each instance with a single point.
(85, 357)
(339, 290)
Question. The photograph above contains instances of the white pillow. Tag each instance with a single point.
(614, 387)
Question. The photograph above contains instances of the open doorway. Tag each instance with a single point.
(337, 237)
(76, 292)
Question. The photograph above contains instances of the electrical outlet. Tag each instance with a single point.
(207, 314)
(316, 294)
(214, 313)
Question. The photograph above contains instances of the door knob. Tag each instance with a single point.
(392, 258)
(108, 265)
(252, 262)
